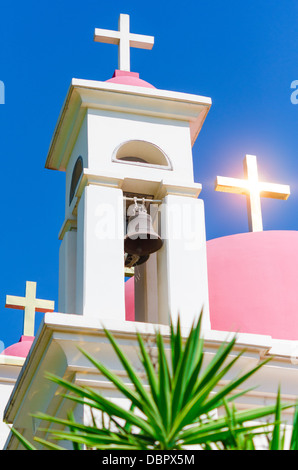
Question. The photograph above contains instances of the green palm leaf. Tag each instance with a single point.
(164, 385)
(294, 437)
(149, 369)
(137, 382)
(26, 444)
(187, 367)
(172, 408)
(85, 395)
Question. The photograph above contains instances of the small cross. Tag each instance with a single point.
(125, 40)
(254, 190)
(30, 304)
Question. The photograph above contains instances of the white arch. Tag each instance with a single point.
(141, 153)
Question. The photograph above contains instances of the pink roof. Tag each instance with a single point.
(129, 78)
(253, 279)
(21, 348)
(253, 284)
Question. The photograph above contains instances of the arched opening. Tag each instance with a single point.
(141, 153)
(76, 174)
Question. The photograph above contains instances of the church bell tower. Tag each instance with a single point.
(126, 149)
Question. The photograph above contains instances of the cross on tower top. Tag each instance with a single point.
(253, 189)
(125, 40)
(30, 304)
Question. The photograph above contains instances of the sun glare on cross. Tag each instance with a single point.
(253, 189)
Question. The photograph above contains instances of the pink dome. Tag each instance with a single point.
(253, 279)
(128, 78)
(19, 349)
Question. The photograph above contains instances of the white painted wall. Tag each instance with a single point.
(107, 130)
(5, 391)
(100, 255)
(97, 269)
(67, 273)
(80, 149)
(10, 367)
(182, 277)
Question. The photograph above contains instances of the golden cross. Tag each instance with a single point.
(253, 189)
(125, 40)
(30, 304)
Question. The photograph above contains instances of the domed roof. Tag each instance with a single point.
(252, 281)
(129, 78)
(20, 349)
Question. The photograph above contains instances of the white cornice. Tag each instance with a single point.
(159, 189)
(88, 94)
(68, 330)
(11, 360)
(55, 350)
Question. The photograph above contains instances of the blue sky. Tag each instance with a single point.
(244, 55)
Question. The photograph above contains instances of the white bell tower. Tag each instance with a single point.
(118, 140)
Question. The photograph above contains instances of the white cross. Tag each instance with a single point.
(253, 189)
(125, 40)
(30, 304)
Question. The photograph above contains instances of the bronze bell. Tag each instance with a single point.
(130, 261)
(140, 239)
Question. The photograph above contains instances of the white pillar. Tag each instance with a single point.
(146, 291)
(182, 261)
(100, 253)
(67, 273)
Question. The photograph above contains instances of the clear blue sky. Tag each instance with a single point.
(244, 55)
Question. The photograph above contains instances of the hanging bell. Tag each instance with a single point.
(141, 239)
(130, 261)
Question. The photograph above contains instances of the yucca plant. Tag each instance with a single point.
(174, 410)
(277, 440)
(274, 433)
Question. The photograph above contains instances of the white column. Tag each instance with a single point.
(182, 262)
(146, 291)
(67, 273)
(100, 253)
